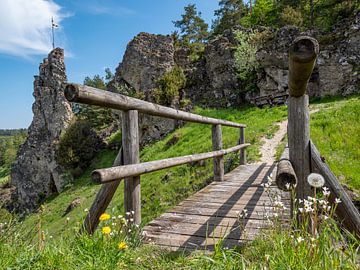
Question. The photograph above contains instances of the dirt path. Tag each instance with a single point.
(268, 148)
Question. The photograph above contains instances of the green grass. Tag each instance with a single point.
(161, 190)
(335, 130)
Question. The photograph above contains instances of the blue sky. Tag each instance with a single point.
(94, 33)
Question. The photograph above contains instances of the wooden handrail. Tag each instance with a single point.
(93, 96)
(132, 170)
(102, 176)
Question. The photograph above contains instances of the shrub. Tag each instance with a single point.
(290, 16)
(169, 85)
(245, 54)
(78, 146)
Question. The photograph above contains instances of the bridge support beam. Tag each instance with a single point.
(217, 145)
(130, 142)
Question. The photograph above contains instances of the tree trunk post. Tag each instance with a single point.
(217, 145)
(130, 142)
(242, 151)
(302, 56)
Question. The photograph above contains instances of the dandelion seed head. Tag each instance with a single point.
(316, 180)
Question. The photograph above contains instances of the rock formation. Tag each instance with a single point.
(36, 174)
(146, 59)
(337, 68)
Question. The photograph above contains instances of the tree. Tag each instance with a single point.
(229, 14)
(98, 117)
(193, 29)
(264, 13)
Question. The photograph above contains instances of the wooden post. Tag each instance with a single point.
(217, 145)
(242, 151)
(130, 142)
(299, 143)
(302, 58)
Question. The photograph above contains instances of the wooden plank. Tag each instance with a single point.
(93, 96)
(346, 210)
(201, 220)
(130, 142)
(255, 212)
(217, 145)
(102, 200)
(187, 242)
(112, 174)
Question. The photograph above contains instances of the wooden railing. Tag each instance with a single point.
(302, 157)
(127, 164)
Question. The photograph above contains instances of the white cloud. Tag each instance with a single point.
(25, 26)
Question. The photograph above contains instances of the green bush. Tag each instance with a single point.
(290, 16)
(78, 146)
(169, 85)
(245, 54)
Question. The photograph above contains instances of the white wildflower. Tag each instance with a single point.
(316, 180)
(326, 191)
(299, 239)
(127, 213)
(326, 217)
(301, 210)
(132, 212)
(86, 210)
(337, 200)
(287, 186)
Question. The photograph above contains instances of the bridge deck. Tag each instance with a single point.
(212, 213)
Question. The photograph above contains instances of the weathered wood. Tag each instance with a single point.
(219, 160)
(299, 143)
(199, 221)
(92, 96)
(285, 174)
(130, 142)
(302, 56)
(242, 151)
(111, 174)
(346, 210)
(102, 200)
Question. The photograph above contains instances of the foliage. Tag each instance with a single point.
(228, 15)
(169, 85)
(245, 54)
(335, 131)
(290, 16)
(193, 29)
(98, 117)
(9, 146)
(78, 146)
(264, 13)
(12, 132)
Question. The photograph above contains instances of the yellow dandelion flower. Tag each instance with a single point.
(106, 230)
(104, 217)
(122, 245)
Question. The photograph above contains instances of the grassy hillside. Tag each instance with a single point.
(163, 189)
(46, 240)
(335, 130)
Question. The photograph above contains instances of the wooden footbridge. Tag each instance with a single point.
(235, 207)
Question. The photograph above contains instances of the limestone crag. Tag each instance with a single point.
(146, 59)
(337, 68)
(36, 173)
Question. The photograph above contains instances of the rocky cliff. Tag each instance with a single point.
(212, 80)
(36, 174)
